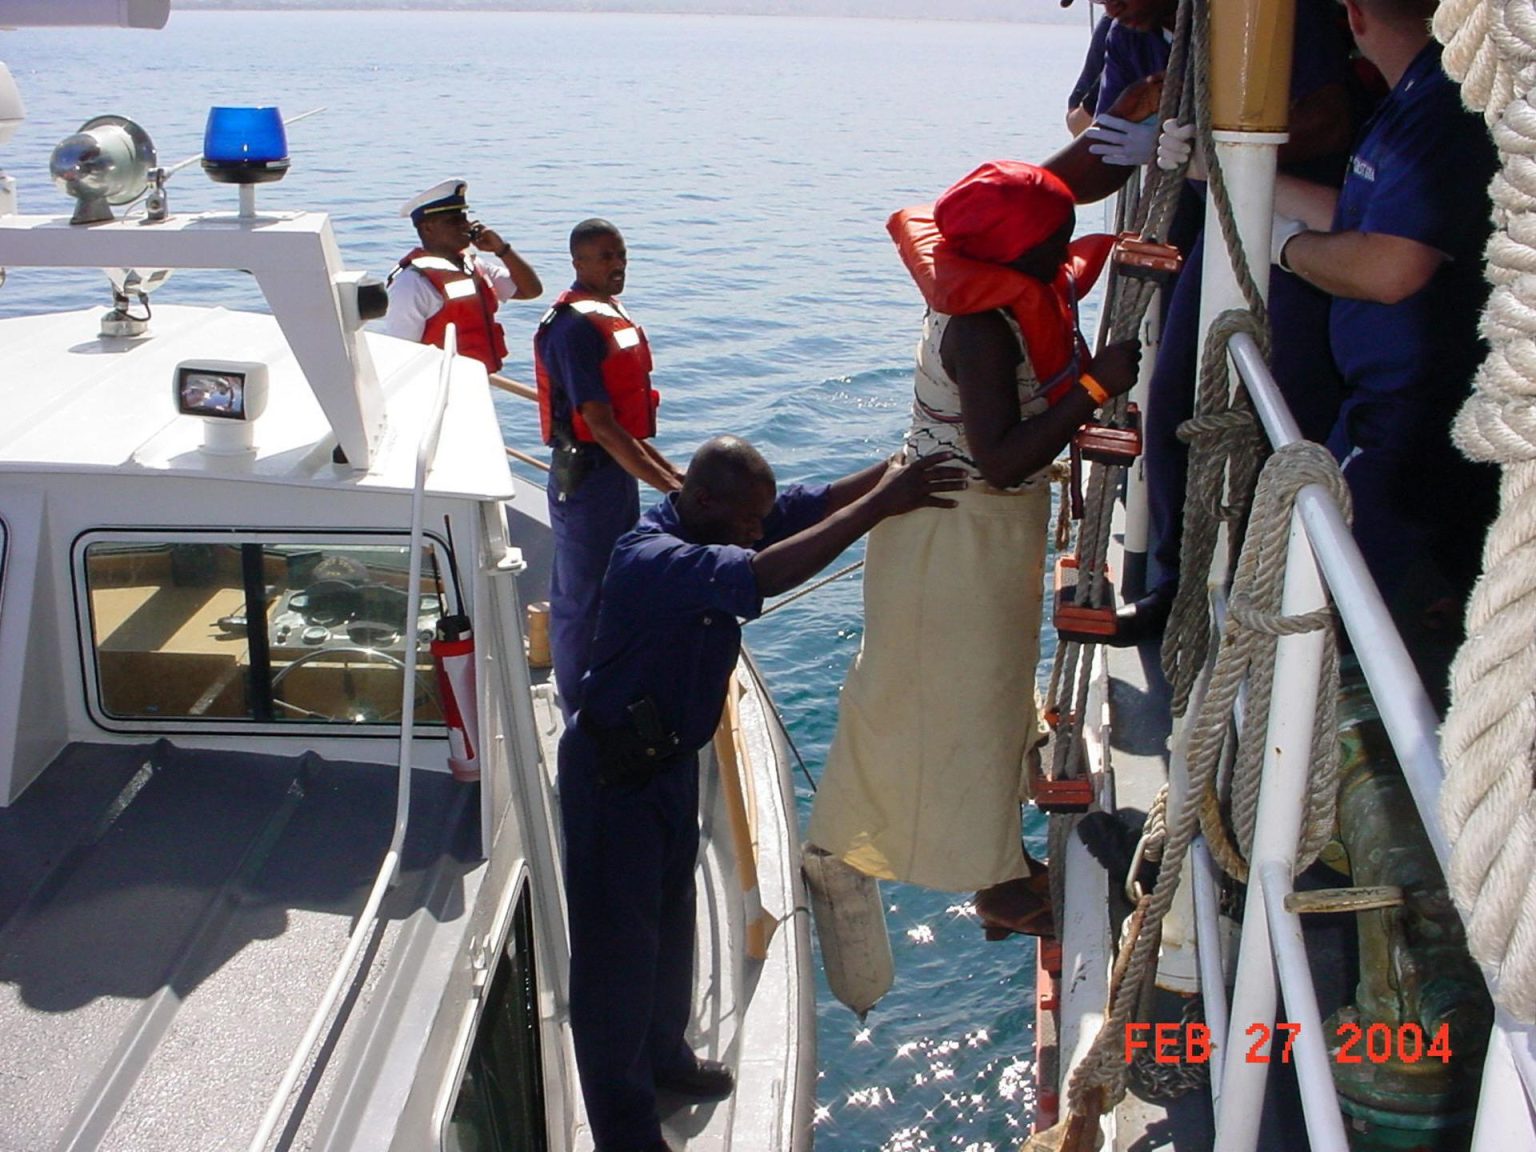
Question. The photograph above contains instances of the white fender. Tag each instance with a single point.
(850, 923)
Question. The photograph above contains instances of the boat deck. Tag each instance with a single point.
(751, 1013)
(169, 921)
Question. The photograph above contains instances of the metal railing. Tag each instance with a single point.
(1323, 553)
(426, 449)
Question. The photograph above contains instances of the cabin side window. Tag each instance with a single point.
(500, 1105)
(169, 634)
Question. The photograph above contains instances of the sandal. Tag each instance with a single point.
(1018, 907)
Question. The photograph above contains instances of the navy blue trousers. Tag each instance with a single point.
(630, 854)
(1303, 368)
(586, 525)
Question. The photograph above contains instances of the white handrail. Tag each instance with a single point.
(1396, 689)
(1406, 712)
(1307, 1045)
(425, 450)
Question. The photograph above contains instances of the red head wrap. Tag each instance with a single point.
(1002, 210)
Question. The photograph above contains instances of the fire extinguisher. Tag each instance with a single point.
(453, 656)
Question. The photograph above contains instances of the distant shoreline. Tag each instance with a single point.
(1003, 11)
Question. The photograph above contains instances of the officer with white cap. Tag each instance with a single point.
(442, 283)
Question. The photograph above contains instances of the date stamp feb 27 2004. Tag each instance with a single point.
(1175, 1043)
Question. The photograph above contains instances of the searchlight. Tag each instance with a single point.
(111, 160)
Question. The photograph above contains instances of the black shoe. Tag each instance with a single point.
(1111, 839)
(703, 1080)
(1143, 620)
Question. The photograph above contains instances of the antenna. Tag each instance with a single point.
(453, 565)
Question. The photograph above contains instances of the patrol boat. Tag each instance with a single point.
(279, 854)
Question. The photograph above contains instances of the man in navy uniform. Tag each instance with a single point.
(439, 283)
(1318, 144)
(1399, 248)
(597, 410)
(667, 642)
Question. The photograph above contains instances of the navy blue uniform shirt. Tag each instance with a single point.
(573, 350)
(1085, 93)
(1421, 171)
(668, 627)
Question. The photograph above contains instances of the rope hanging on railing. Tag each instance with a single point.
(1253, 627)
(1255, 622)
(1223, 457)
(1489, 740)
(1225, 448)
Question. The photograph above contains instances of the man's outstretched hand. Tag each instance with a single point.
(917, 485)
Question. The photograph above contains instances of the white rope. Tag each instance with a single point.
(1489, 740)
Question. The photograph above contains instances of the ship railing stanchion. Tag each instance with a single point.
(1282, 795)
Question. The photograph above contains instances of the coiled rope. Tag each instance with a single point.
(1488, 802)
(1253, 628)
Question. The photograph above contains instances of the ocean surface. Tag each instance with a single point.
(751, 164)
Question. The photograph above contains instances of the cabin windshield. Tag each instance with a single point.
(167, 635)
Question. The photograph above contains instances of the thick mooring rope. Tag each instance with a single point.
(1489, 740)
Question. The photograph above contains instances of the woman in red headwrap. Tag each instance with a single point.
(924, 780)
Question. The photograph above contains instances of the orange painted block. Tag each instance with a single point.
(1050, 956)
(1047, 997)
(1103, 444)
(1146, 259)
(1071, 795)
(1084, 624)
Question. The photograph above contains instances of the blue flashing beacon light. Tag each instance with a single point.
(245, 146)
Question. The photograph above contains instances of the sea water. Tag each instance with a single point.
(751, 164)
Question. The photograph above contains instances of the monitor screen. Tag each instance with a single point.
(208, 392)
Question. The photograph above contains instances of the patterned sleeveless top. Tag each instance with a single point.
(936, 423)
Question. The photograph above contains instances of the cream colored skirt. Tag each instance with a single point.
(926, 773)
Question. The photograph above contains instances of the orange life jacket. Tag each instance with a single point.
(626, 368)
(469, 304)
(1046, 313)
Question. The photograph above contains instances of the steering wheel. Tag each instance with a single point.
(358, 714)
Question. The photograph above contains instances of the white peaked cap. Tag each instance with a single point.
(445, 197)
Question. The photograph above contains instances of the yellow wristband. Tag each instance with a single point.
(1094, 389)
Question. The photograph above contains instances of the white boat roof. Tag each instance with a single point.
(78, 402)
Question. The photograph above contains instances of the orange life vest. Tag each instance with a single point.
(626, 368)
(469, 304)
(1046, 313)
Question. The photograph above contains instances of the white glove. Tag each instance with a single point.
(1283, 228)
(1124, 142)
(1175, 145)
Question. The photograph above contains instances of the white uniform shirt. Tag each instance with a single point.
(413, 300)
